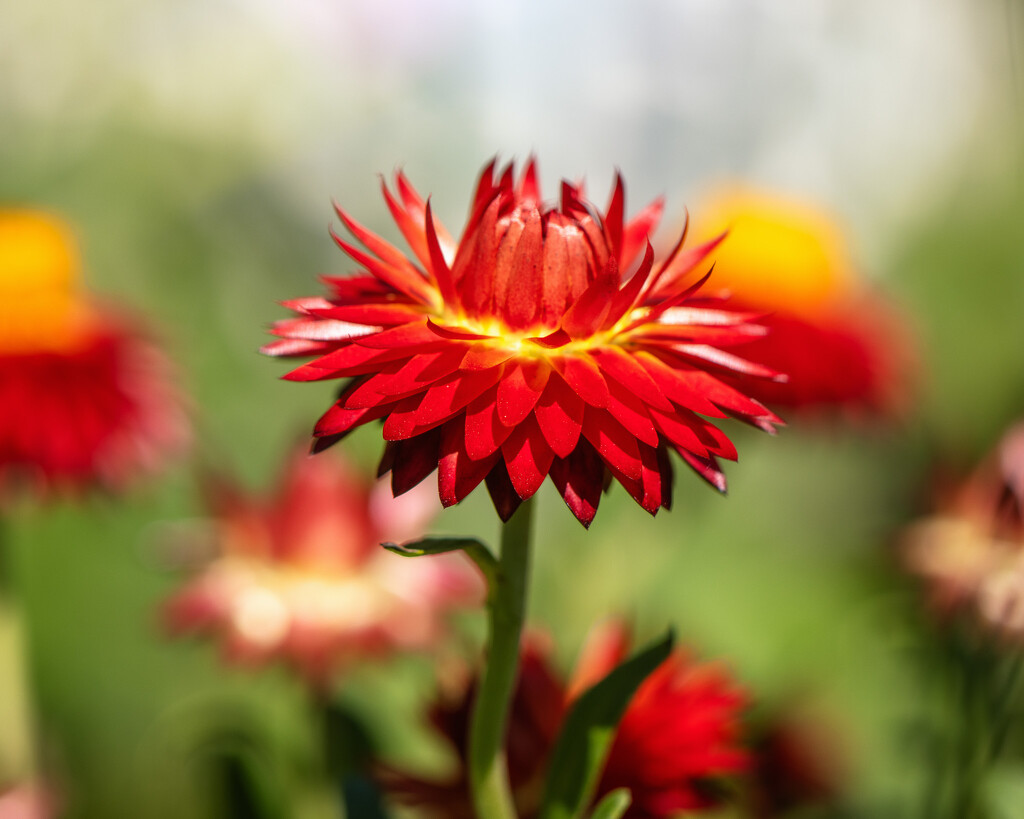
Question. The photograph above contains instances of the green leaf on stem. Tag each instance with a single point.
(613, 806)
(474, 549)
(587, 734)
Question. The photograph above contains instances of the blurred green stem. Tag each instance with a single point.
(506, 605)
(17, 750)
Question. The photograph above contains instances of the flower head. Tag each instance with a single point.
(85, 398)
(970, 553)
(546, 342)
(841, 344)
(678, 737)
(300, 576)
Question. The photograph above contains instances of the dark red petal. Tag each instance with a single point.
(667, 478)
(457, 473)
(583, 375)
(613, 442)
(627, 371)
(559, 414)
(520, 388)
(579, 479)
(414, 460)
(484, 431)
(527, 458)
(503, 494)
(706, 468)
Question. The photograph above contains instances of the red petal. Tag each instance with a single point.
(613, 218)
(680, 428)
(684, 386)
(445, 399)
(421, 371)
(371, 315)
(457, 473)
(525, 281)
(637, 231)
(484, 432)
(317, 329)
(559, 414)
(481, 357)
(291, 347)
(612, 441)
(474, 267)
(519, 390)
(583, 375)
(339, 420)
(627, 371)
(632, 414)
(417, 336)
(403, 278)
(583, 319)
(439, 266)
(527, 458)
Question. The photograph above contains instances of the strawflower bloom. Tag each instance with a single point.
(841, 344)
(678, 739)
(300, 576)
(546, 342)
(970, 553)
(85, 398)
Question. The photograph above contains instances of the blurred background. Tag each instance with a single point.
(195, 147)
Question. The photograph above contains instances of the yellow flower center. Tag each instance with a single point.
(779, 254)
(40, 308)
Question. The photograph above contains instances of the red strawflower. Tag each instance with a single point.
(300, 576)
(545, 342)
(677, 739)
(85, 398)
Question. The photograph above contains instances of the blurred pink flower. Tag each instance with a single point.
(27, 801)
(85, 397)
(970, 552)
(301, 576)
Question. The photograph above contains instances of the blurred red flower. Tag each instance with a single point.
(85, 397)
(841, 343)
(677, 741)
(301, 576)
(545, 342)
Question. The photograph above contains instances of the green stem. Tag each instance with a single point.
(506, 606)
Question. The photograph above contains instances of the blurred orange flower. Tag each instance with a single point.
(678, 738)
(841, 343)
(85, 397)
(301, 576)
